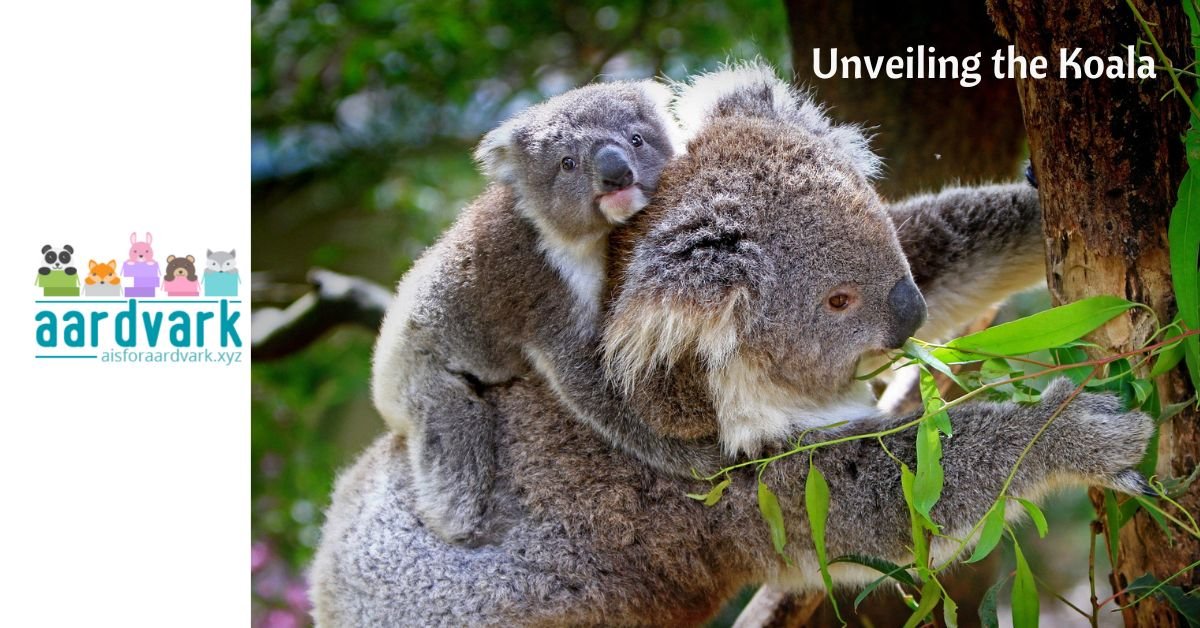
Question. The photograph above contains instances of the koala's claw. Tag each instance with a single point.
(1131, 481)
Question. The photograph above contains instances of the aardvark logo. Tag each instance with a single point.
(137, 310)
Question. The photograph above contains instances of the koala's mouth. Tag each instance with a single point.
(619, 205)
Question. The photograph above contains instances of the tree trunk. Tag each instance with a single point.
(929, 131)
(1109, 158)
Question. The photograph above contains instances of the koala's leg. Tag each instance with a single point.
(451, 446)
(970, 248)
(1091, 441)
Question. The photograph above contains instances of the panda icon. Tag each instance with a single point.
(57, 277)
(57, 259)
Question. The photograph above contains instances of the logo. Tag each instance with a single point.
(181, 311)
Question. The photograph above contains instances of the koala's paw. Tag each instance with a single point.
(1106, 442)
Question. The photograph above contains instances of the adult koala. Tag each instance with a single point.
(765, 268)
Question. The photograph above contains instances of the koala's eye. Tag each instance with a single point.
(636, 140)
(839, 300)
(568, 164)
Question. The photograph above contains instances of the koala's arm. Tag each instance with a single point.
(970, 248)
(571, 361)
(435, 356)
(1091, 441)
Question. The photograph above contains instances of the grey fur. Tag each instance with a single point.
(601, 539)
(513, 288)
(591, 535)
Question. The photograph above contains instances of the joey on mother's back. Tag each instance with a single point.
(593, 535)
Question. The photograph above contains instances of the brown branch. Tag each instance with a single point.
(335, 300)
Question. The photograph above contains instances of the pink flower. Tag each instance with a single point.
(281, 619)
(260, 553)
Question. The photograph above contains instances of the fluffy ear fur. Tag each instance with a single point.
(753, 90)
(685, 285)
(663, 98)
(495, 152)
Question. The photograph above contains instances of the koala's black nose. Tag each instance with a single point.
(908, 311)
(613, 169)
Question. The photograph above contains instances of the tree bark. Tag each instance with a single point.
(1109, 158)
(929, 131)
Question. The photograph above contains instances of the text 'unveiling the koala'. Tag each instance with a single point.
(922, 62)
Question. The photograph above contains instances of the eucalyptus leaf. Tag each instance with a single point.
(919, 353)
(993, 529)
(714, 495)
(1035, 513)
(930, 594)
(1183, 243)
(987, 606)
(927, 486)
(816, 503)
(768, 506)
(1024, 592)
(949, 611)
(1051, 328)
(887, 568)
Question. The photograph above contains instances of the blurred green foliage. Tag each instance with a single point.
(363, 117)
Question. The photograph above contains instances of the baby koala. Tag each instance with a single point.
(514, 287)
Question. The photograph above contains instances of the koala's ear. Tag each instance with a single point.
(497, 151)
(686, 286)
(662, 100)
(755, 90)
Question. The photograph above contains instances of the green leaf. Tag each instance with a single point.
(921, 354)
(1186, 604)
(920, 549)
(714, 495)
(987, 606)
(1168, 357)
(1072, 355)
(1051, 328)
(1183, 242)
(930, 594)
(1142, 390)
(1035, 513)
(1024, 592)
(949, 611)
(816, 502)
(1113, 517)
(887, 568)
(870, 588)
(993, 528)
(931, 397)
(927, 486)
(1155, 513)
(768, 505)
